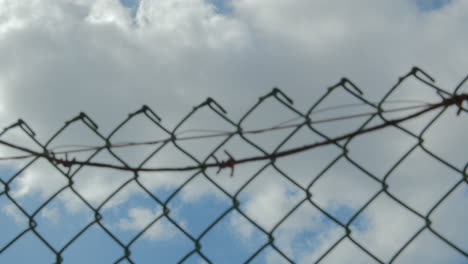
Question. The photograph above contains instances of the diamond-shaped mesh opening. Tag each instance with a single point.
(343, 190)
(384, 227)
(73, 202)
(386, 147)
(60, 220)
(139, 129)
(412, 96)
(340, 113)
(197, 205)
(307, 234)
(269, 198)
(266, 115)
(232, 240)
(131, 212)
(421, 181)
(201, 124)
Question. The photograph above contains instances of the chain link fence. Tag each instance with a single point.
(221, 160)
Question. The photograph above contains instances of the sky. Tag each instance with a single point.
(107, 58)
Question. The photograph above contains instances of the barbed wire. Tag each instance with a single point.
(231, 162)
(216, 133)
(59, 157)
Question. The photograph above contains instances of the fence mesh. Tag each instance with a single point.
(219, 159)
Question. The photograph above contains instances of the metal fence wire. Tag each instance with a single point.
(220, 159)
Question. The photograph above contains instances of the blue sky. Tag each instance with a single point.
(223, 244)
(427, 5)
(60, 58)
(222, 6)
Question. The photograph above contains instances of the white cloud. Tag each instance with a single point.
(40, 178)
(240, 224)
(51, 214)
(268, 199)
(140, 218)
(12, 211)
(109, 12)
